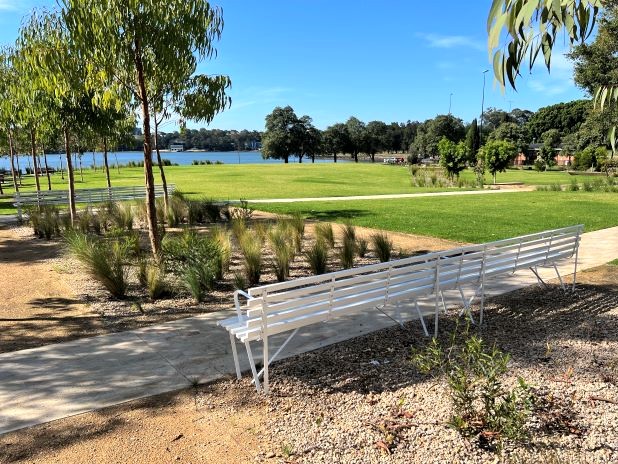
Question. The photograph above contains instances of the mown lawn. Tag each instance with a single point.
(231, 182)
(469, 218)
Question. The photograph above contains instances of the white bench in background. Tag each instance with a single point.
(90, 196)
(289, 306)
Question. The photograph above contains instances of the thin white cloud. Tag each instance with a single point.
(10, 5)
(453, 41)
(558, 81)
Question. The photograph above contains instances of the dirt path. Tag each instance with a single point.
(37, 306)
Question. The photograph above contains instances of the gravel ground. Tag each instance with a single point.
(332, 405)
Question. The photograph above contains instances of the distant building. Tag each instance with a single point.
(176, 146)
(532, 153)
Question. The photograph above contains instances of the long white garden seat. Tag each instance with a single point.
(289, 306)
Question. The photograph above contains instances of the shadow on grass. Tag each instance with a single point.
(332, 215)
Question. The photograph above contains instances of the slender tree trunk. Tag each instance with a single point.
(61, 168)
(34, 160)
(300, 159)
(117, 165)
(94, 162)
(373, 158)
(312, 158)
(12, 155)
(49, 186)
(356, 157)
(285, 160)
(67, 148)
(105, 163)
(81, 169)
(151, 211)
(335, 157)
(18, 167)
(160, 163)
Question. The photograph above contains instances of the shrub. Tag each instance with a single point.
(195, 259)
(324, 232)
(382, 246)
(283, 251)
(317, 256)
(105, 260)
(349, 232)
(222, 238)
(297, 223)
(555, 188)
(239, 227)
(120, 215)
(587, 186)
(240, 283)
(361, 247)
(177, 209)
(347, 251)
(242, 211)
(155, 282)
(573, 186)
(251, 249)
(45, 221)
(483, 407)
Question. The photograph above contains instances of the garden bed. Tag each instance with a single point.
(335, 405)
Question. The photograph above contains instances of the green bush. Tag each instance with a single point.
(155, 282)
(297, 223)
(324, 231)
(361, 247)
(283, 251)
(573, 186)
(347, 251)
(251, 250)
(482, 406)
(45, 221)
(222, 238)
(382, 246)
(196, 259)
(177, 209)
(317, 256)
(105, 260)
(349, 232)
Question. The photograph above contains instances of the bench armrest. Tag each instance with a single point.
(238, 293)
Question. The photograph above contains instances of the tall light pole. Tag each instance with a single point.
(450, 100)
(482, 110)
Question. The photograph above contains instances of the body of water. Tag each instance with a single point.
(182, 158)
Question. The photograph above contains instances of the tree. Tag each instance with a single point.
(493, 117)
(279, 140)
(497, 155)
(8, 109)
(377, 138)
(358, 137)
(307, 138)
(551, 141)
(453, 156)
(567, 118)
(514, 133)
(429, 134)
(335, 139)
(473, 141)
(138, 45)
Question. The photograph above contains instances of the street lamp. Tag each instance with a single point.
(482, 109)
(450, 100)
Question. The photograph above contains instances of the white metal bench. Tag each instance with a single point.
(89, 196)
(289, 306)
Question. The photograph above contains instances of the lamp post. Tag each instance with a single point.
(450, 100)
(482, 110)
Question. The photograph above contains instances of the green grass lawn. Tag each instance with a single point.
(473, 218)
(231, 182)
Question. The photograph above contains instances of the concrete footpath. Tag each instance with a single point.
(395, 195)
(56, 381)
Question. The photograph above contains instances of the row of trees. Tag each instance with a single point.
(84, 69)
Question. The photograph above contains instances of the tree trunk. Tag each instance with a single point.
(61, 168)
(94, 162)
(49, 187)
(105, 163)
(67, 149)
(34, 160)
(356, 157)
(151, 211)
(285, 160)
(117, 165)
(300, 159)
(160, 163)
(373, 157)
(335, 157)
(12, 155)
(18, 167)
(494, 178)
(81, 170)
(313, 158)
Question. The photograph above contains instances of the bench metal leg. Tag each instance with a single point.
(256, 380)
(420, 316)
(435, 318)
(235, 354)
(559, 278)
(266, 386)
(538, 277)
(575, 269)
(274, 356)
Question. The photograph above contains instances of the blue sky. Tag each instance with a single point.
(389, 60)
